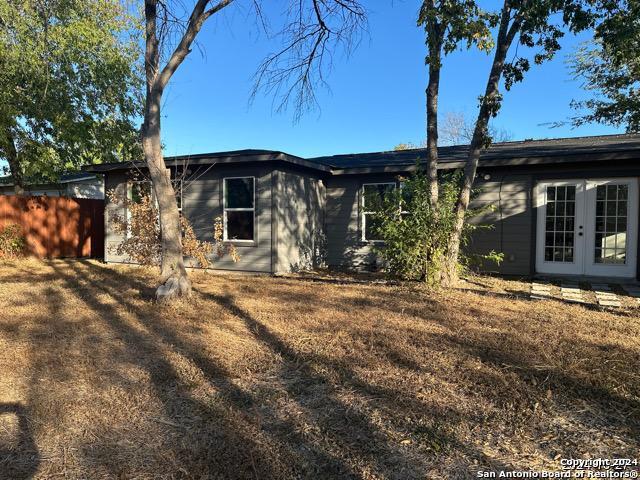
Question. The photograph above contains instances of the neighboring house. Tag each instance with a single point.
(74, 185)
(563, 206)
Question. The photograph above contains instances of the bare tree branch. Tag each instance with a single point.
(313, 31)
(197, 18)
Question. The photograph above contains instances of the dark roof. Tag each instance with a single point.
(557, 150)
(234, 156)
(525, 152)
(64, 178)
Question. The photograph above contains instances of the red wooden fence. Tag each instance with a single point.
(57, 227)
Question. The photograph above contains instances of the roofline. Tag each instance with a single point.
(462, 145)
(59, 182)
(215, 158)
(574, 154)
(497, 162)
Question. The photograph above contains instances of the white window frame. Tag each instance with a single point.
(363, 235)
(225, 210)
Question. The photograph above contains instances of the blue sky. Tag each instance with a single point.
(376, 98)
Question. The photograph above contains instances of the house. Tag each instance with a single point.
(73, 185)
(563, 206)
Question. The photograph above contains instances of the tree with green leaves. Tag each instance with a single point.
(312, 28)
(610, 68)
(447, 24)
(68, 86)
(526, 23)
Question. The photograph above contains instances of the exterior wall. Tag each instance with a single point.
(343, 219)
(511, 220)
(298, 221)
(113, 181)
(202, 202)
(299, 214)
(93, 189)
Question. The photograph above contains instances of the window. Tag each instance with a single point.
(611, 224)
(239, 208)
(135, 191)
(373, 195)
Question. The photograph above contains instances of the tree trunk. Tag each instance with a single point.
(489, 106)
(433, 87)
(11, 153)
(173, 274)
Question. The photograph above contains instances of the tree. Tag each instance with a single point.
(68, 83)
(313, 26)
(527, 22)
(457, 129)
(531, 22)
(446, 23)
(610, 67)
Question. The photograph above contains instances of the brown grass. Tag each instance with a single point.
(262, 377)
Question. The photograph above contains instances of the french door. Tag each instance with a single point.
(587, 227)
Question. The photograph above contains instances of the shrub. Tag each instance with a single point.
(415, 236)
(12, 241)
(141, 229)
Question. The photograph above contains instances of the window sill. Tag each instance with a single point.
(365, 243)
(241, 243)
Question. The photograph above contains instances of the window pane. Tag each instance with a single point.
(374, 195)
(239, 225)
(138, 189)
(622, 192)
(568, 254)
(239, 192)
(622, 208)
(569, 224)
(407, 194)
(551, 194)
(551, 209)
(370, 227)
(548, 254)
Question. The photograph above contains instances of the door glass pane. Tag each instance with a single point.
(611, 224)
(559, 224)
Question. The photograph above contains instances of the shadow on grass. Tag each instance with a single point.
(345, 443)
(239, 433)
(20, 460)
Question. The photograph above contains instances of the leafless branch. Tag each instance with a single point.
(313, 31)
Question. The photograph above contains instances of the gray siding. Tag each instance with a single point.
(202, 204)
(299, 219)
(113, 181)
(511, 219)
(345, 248)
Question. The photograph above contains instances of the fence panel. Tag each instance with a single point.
(57, 227)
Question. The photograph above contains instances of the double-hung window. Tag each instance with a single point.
(239, 208)
(373, 195)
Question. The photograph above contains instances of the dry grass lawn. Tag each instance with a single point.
(263, 377)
